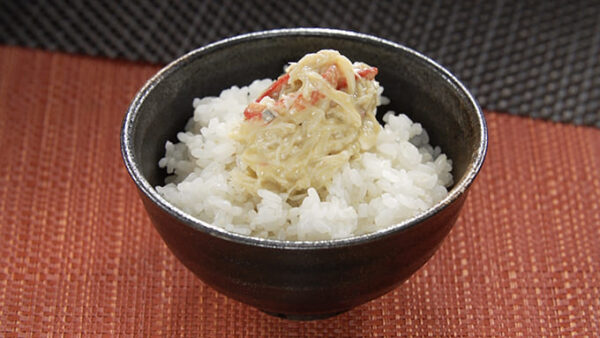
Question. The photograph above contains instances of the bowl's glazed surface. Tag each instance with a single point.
(303, 280)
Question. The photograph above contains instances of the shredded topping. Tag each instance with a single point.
(311, 121)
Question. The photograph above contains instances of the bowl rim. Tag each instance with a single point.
(132, 113)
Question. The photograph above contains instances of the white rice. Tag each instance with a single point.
(401, 178)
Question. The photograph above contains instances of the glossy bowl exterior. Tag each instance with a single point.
(302, 280)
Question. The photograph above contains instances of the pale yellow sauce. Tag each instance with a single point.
(313, 120)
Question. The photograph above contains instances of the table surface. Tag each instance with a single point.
(80, 255)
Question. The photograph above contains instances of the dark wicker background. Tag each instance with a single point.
(531, 58)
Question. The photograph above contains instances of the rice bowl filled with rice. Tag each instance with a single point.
(303, 158)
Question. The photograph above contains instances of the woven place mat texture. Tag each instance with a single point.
(534, 58)
(80, 256)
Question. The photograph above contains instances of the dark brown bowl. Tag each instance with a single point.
(302, 280)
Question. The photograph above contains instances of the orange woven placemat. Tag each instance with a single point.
(79, 255)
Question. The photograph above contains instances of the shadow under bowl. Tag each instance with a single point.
(302, 280)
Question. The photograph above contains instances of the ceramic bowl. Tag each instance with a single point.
(302, 280)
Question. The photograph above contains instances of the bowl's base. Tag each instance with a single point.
(303, 317)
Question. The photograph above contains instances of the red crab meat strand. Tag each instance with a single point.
(315, 96)
(274, 90)
(333, 76)
(254, 111)
(299, 103)
(368, 73)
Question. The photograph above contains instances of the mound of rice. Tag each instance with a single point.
(402, 177)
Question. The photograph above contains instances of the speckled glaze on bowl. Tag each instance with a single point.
(302, 280)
